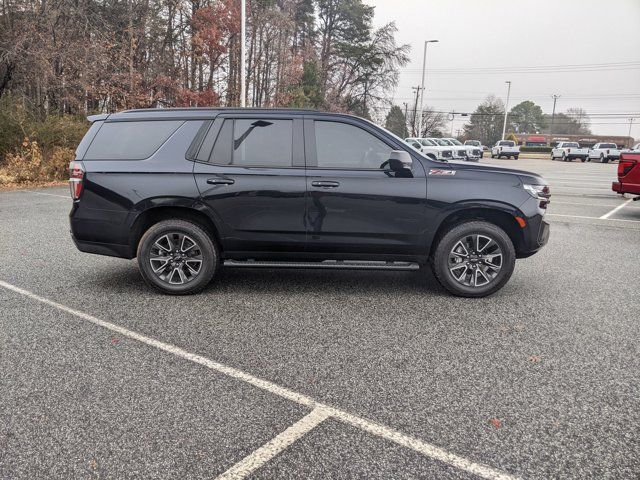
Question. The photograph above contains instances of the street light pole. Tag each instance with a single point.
(424, 67)
(553, 114)
(506, 109)
(243, 53)
(630, 139)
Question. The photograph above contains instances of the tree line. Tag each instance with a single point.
(486, 122)
(80, 56)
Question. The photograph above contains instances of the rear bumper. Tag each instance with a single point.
(109, 249)
(581, 156)
(625, 188)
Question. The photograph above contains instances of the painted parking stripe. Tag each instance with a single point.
(43, 193)
(262, 455)
(619, 207)
(385, 432)
(592, 218)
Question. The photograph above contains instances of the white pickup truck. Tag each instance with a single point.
(473, 153)
(427, 146)
(505, 148)
(567, 151)
(604, 152)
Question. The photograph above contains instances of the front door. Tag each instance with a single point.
(356, 205)
(250, 173)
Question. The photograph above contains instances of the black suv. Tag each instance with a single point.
(187, 191)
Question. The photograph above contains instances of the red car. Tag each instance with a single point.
(628, 175)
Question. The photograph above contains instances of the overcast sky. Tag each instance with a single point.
(517, 35)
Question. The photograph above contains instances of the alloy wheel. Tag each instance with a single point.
(175, 258)
(475, 260)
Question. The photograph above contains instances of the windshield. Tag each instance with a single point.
(608, 145)
(474, 143)
(427, 142)
(441, 142)
(571, 144)
(455, 142)
(507, 143)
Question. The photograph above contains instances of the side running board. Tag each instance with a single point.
(332, 264)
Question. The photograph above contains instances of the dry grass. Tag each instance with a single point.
(30, 165)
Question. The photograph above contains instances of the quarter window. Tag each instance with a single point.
(130, 140)
(340, 145)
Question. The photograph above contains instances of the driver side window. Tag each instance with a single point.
(340, 145)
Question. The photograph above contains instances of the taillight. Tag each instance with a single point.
(76, 176)
(607, 152)
(625, 167)
(568, 150)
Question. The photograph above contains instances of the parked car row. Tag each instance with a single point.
(473, 150)
(446, 148)
(602, 152)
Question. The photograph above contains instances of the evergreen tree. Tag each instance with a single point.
(396, 121)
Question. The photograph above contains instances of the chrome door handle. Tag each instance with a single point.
(220, 181)
(325, 184)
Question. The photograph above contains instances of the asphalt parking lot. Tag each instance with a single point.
(324, 374)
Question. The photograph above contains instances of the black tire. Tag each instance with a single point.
(515, 157)
(564, 157)
(552, 157)
(444, 247)
(208, 253)
(583, 159)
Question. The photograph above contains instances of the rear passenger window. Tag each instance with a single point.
(130, 140)
(340, 145)
(250, 143)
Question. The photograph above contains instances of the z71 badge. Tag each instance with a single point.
(440, 171)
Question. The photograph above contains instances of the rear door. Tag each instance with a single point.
(250, 173)
(356, 205)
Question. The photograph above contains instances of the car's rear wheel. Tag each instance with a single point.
(603, 159)
(177, 257)
(474, 259)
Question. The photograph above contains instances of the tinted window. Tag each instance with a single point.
(264, 143)
(608, 145)
(340, 145)
(86, 140)
(571, 145)
(221, 154)
(130, 140)
(507, 143)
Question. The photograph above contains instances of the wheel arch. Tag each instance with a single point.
(496, 216)
(153, 215)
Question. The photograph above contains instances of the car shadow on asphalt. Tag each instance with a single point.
(125, 278)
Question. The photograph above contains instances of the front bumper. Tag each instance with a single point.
(535, 236)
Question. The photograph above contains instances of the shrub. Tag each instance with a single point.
(536, 149)
(29, 165)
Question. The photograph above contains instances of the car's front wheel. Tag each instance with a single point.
(177, 257)
(474, 259)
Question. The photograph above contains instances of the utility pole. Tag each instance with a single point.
(243, 53)
(415, 110)
(424, 67)
(506, 109)
(553, 114)
(630, 139)
(452, 118)
(406, 106)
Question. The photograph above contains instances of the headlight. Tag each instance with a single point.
(540, 192)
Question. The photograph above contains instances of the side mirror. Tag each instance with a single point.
(400, 160)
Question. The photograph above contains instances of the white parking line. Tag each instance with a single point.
(387, 433)
(619, 207)
(262, 455)
(593, 218)
(43, 193)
